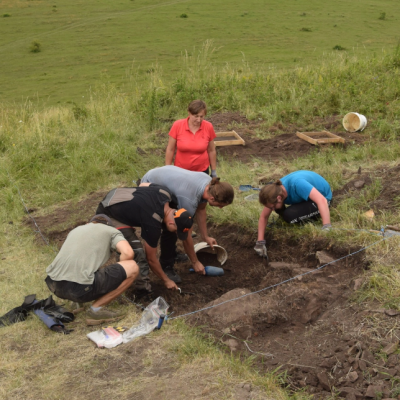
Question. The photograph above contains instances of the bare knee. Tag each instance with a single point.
(131, 269)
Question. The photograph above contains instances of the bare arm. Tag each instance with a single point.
(262, 222)
(125, 250)
(151, 255)
(322, 204)
(212, 155)
(170, 151)
(189, 250)
(201, 216)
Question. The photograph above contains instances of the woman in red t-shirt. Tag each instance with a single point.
(193, 140)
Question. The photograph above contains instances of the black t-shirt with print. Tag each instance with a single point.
(140, 207)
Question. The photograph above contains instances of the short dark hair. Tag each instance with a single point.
(196, 106)
(101, 219)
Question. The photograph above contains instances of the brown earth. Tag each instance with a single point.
(284, 144)
(305, 324)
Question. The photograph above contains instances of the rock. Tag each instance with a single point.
(358, 283)
(368, 356)
(390, 348)
(387, 373)
(345, 391)
(324, 381)
(352, 376)
(312, 310)
(327, 363)
(242, 391)
(369, 214)
(232, 344)
(234, 311)
(351, 396)
(244, 332)
(392, 360)
(374, 391)
(359, 184)
(323, 257)
(247, 387)
(362, 365)
(392, 313)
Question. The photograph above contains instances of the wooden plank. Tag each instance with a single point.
(306, 138)
(237, 141)
(330, 137)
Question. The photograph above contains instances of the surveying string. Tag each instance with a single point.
(224, 302)
(277, 284)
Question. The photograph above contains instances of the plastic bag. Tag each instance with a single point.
(149, 320)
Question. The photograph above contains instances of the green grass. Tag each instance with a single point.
(87, 42)
(63, 152)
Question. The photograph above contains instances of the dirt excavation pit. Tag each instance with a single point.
(305, 326)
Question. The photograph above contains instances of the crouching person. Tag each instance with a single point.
(75, 273)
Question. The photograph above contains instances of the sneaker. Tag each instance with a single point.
(102, 316)
(170, 272)
(181, 257)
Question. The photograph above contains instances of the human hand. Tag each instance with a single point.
(199, 268)
(169, 284)
(210, 241)
(326, 227)
(260, 248)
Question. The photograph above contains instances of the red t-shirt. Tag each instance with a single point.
(191, 149)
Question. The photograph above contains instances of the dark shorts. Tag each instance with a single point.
(105, 281)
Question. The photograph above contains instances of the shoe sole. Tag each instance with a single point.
(92, 322)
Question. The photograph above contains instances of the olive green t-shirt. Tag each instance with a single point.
(85, 250)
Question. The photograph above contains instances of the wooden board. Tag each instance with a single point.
(322, 137)
(229, 142)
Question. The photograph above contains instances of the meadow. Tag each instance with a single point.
(87, 42)
(54, 155)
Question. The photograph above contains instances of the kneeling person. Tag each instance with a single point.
(75, 273)
(307, 195)
(149, 208)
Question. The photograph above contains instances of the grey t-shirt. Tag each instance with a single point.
(187, 186)
(85, 250)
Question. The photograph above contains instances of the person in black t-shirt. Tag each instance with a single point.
(152, 208)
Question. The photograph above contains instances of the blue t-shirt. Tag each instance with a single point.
(300, 183)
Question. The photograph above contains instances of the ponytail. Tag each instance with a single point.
(269, 193)
(221, 191)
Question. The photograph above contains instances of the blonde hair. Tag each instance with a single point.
(269, 193)
(221, 191)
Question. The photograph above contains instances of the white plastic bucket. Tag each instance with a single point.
(354, 122)
(221, 253)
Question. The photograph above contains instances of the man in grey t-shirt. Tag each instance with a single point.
(75, 273)
(193, 190)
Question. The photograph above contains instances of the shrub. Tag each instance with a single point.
(184, 16)
(6, 15)
(382, 16)
(36, 47)
(338, 47)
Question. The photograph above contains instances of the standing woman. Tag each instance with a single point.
(193, 140)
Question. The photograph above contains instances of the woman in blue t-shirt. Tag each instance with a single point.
(305, 192)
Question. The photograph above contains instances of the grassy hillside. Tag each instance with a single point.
(86, 42)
